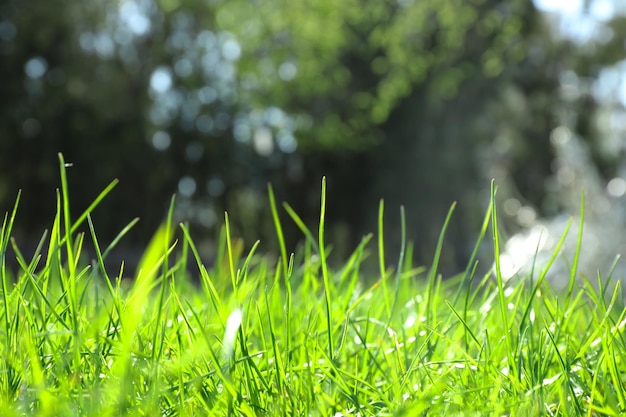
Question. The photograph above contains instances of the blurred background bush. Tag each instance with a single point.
(419, 102)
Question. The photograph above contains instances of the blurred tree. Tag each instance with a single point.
(420, 102)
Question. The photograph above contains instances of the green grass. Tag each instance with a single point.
(295, 337)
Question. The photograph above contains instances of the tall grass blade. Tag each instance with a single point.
(381, 253)
(67, 219)
(468, 274)
(432, 274)
(325, 275)
(279, 231)
(579, 241)
(9, 372)
(5, 236)
(229, 248)
(102, 266)
(298, 221)
(498, 271)
(119, 237)
(208, 285)
(70, 285)
(157, 337)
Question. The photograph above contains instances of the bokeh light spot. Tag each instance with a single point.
(183, 67)
(161, 140)
(287, 71)
(526, 216)
(204, 123)
(133, 17)
(207, 95)
(193, 152)
(263, 141)
(215, 187)
(161, 80)
(36, 67)
(231, 50)
(286, 142)
(560, 136)
(7, 31)
(512, 206)
(616, 187)
(187, 186)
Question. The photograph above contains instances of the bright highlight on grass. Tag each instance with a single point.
(232, 326)
(256, 336)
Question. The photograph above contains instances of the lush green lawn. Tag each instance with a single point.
(296, 338)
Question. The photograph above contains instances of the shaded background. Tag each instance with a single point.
(419, 102)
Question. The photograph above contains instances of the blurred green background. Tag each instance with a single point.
(418, 102)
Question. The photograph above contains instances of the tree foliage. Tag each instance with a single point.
(420, 102)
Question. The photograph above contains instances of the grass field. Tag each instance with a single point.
(296, 337)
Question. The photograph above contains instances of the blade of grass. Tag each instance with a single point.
(381, 254)
(325, 276)
(279, 230)
(579, 240)
(353, 265)
(286, 267)
(207, 283)
(229, 248)
(500, 285)
(567, 374)
(67, 219)
(11, 375)
(119, 237)
(70, 283)
(157, 338)
(432, 274)
(399, 270)
(467, 328)
(7, 227)
(468, 274)
(298, 221)
(105, 275)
